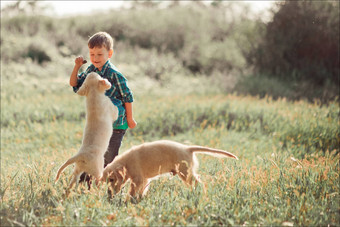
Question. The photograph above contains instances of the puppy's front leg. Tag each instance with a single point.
(98, 182)
(114, 188)
(146, 188)
(136, 188)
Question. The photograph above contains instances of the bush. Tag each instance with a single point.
(17, 48)
(37, 53)
(28, 25)
(198, 36)
(301, 43)
(262, 85)
(213, 56)
(267, 85)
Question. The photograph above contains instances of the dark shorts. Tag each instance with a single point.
(114, 145)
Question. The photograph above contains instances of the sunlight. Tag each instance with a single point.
(68, 8)
(62, 8)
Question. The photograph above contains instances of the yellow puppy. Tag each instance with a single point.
(148, 160)
(100, 115)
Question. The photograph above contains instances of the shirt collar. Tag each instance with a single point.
(105, 66)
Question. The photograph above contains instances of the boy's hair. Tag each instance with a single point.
(101, 39)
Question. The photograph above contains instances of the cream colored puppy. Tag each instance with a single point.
(148, 160)
(100, 115)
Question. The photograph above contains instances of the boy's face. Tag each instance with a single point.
(99, 56)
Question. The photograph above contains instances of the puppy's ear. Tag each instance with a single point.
(104, 85)
(122, 172)
(83, 90)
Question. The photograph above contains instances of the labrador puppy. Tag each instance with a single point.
(146, 161)
(100, 115)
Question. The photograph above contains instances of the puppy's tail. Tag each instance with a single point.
(211, 151)
(68, 162)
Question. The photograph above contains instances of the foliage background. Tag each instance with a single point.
(208, 74)
(296, 54)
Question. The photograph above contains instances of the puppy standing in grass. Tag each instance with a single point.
(100, 115)
(146, 161)
(101, 50)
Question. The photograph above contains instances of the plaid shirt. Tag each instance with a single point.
(119, 93)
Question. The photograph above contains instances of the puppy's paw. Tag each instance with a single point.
(133, 199)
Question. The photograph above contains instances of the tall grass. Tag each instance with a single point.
(288, 171)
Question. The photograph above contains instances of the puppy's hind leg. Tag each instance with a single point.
(69, 162)
(194, 174)
(188, 175)
(198, 181)
(74, 179)
(184, 171)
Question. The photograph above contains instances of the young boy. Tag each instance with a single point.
(101, 50)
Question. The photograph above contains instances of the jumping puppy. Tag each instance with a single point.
(100, 115)
(148, 160)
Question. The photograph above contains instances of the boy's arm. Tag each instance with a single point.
(73, 78)
(126, 96)
(129, 115)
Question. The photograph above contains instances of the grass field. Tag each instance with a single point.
(287, 172)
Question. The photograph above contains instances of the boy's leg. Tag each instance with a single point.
(113, 149)
(114, 145)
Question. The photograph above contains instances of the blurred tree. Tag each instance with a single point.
(137, 4)
(300, 43)
(21, 7)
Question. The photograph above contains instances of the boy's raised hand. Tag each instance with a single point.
(80, 61)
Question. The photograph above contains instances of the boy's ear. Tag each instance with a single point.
(82, 90)
(110, 53)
